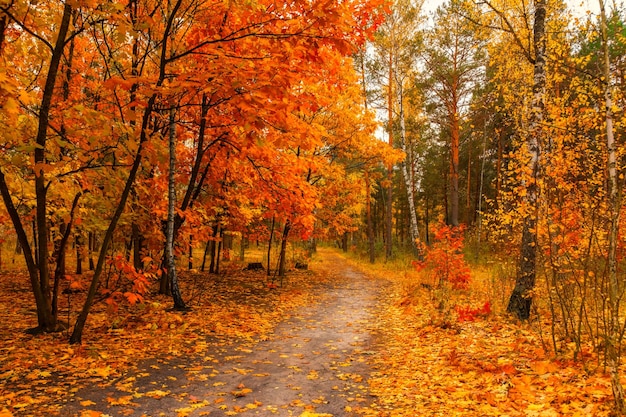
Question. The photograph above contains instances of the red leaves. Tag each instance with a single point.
(468, 313)
(445, 257)
(126, 284)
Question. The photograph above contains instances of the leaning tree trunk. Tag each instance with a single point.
(79, 326)
(38, 264)
(77, 333)
(521, 299)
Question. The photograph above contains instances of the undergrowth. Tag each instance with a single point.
(449, 349)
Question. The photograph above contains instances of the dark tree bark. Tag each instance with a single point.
(91, 245)
(389, 202)
(213, 249)
(79, 253)
(370, 223)
(37, 264)
(190, 253)
(60, 252)
(137, 242)
(206, 251)
(269, 247)
(520, 301)
(283, 249)
(218, 255)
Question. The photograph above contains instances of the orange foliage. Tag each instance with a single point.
(445, 257)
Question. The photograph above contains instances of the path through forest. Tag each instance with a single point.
(315, 362)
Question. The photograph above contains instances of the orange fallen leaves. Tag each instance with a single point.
(430, 365)
(239, 308)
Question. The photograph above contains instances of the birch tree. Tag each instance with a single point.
(396, 48)
(521, 300)
(615, 331)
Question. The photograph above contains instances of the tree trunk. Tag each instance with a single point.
(77, 334)
(368, 195)
(190, 253)
(499, 171)
(177, 298)
(79, 253)
(59, 272)
(283, 249)
(407, 173)
(614, 334)
(33, 272)
(91, 245)
(269, 247)
(38, 265)
(137, 240)
(521, 299)
(213, 249)
(427, 224)
(389, 205)
(469, 216)
(370, 223)
(454, 164)
(218, 254)
(206, 251)
(242, 248)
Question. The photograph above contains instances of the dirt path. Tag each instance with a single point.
(316, 361)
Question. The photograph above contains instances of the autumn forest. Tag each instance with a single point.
(414, 211)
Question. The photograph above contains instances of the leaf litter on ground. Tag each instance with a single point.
(426, 361)
(39, 373)
(429, 363)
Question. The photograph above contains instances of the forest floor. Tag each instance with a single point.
(334, 341)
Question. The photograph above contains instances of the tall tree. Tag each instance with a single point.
(615, 331)
(170, 256)
(36, 259)
(391, 65)
(453, 59)
(520, 300)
